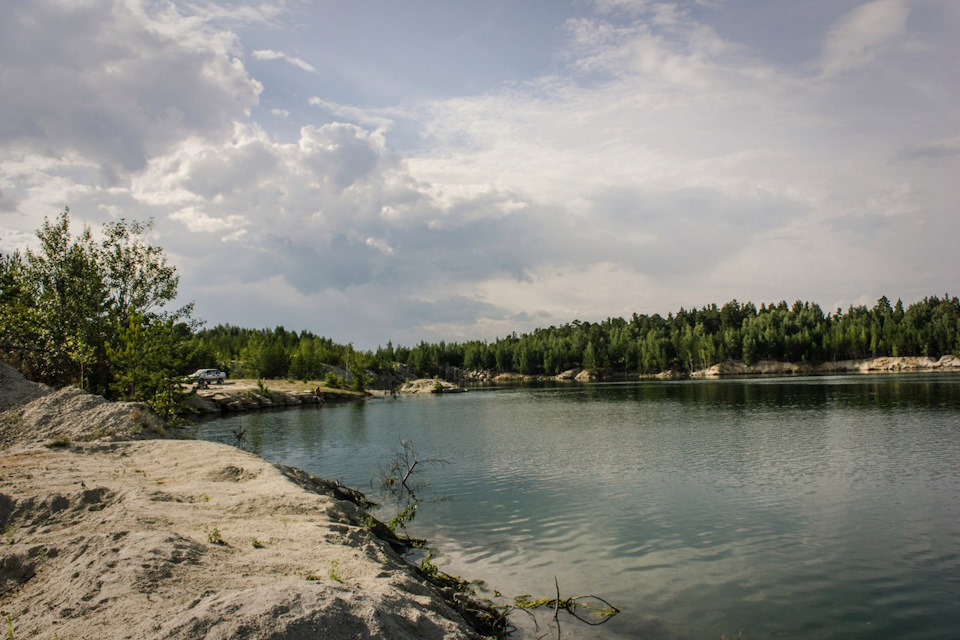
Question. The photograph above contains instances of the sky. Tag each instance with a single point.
(374, 171)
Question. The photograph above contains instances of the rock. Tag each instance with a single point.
(200, 404)
(883, 364)
(508, 377)
(430, 385)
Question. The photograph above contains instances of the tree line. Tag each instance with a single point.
(643, 344)
(694, 339)
(93, 312)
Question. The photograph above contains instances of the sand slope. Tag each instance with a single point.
(120, 539)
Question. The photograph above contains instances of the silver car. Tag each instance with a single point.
(209, 375)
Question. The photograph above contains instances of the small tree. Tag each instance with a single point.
(81, 311)
(146, 364)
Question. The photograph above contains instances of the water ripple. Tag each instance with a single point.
(814, 508)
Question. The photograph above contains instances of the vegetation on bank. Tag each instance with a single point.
(699, 338)
(89, 312)
(93, 313)
(686, 341)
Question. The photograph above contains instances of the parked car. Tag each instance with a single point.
(209, 375)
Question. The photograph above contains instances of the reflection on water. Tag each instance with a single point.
(802, 507)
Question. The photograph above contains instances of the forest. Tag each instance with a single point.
(91, 312)
(684, 341)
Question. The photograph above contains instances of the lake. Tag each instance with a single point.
(818, 507)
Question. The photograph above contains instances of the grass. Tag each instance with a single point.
(427, 568)
(58, 443)
(334, 573)
(257, 544)
(8, 533)
(214, 537)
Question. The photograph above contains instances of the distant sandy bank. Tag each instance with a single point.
(868, 365)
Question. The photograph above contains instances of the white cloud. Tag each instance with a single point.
(659, 164)
(199, 222)
(862, 35)
(268, 54)
(380, 245)
(113, 82)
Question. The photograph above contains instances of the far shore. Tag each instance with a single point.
(737, 368)
(245, 394)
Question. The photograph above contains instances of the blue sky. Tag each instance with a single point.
(449, 170)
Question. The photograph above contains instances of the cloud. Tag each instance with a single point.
(930, 152)
(114, 82)
(659, 163)
(379, 119)
(268, 54)
(862, 35)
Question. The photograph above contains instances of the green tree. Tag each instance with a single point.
(146, 364)
(69, 305)
(66, 305)
(590, 357)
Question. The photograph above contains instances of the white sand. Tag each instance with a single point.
(113, 538)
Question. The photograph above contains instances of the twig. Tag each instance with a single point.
(556, 604)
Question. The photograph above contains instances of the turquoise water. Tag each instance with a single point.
(788, 508)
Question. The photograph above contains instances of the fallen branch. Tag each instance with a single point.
(601, 614)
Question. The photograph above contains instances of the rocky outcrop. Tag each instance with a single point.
(217, 401)
(870, 365)
(430, 385)
(248, 395)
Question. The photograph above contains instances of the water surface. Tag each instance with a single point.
(792, 508)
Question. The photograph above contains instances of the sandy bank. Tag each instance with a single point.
(868, 365)
(108, 537)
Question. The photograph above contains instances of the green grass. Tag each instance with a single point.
(214, 537)
(334, 573)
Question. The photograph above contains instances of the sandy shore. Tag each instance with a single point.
(866, 365)
(108, 537)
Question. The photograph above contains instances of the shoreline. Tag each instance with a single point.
(116, 525)
(734, 369)
(244, 394)
(879, 365)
